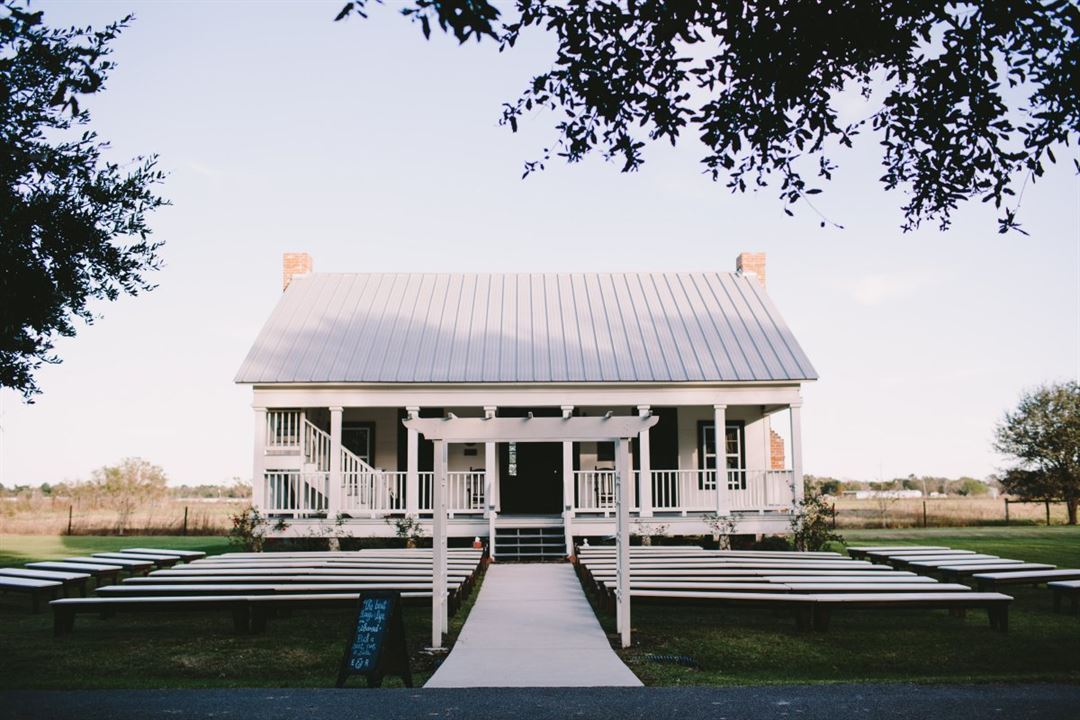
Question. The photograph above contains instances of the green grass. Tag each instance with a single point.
(743, 647)
(21, 549)
(176, 651)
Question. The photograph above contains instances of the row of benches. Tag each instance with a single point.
(255, 587)
(50, 579)
(986, 572)
(808, 585)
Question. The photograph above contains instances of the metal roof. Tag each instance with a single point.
(524, 328)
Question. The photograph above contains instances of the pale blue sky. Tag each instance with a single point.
(372, 149)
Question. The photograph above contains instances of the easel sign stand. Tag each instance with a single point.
(376, 646)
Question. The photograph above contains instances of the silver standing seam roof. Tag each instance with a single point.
(524, 328)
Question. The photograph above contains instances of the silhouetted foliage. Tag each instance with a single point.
(72, 226)
(1043, 436)
(967, 99)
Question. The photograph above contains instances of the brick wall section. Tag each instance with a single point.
(749, 262)
(777, 461)
(294, 264)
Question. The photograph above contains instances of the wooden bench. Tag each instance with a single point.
(67, 579)
(861, 551)
(954, 573)
(186, 555)
(126, 590)
(995, 604)
(157, 559)
(249, 612)
(989, 581)
(1063, 589)
(131, 566)
(900, 561)
(33, 587)
(103, 574)
(801, 606)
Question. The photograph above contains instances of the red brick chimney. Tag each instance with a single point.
(293, 264)
(749, 263)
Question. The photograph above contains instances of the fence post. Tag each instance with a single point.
(924, 513)
(69, 519)
(1006, 511)
(1047, 513)
(185, 519)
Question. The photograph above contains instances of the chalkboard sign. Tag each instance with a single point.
(376, 645)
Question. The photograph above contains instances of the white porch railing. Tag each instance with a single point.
(684, 490)
(282, 430)
(689, 490)
(295, 493)
(464, 491)
(376, 492)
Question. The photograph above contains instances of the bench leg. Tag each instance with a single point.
(63, 621)
(999, 618)
(245, 620)
(821, 618)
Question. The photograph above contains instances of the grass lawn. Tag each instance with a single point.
(740, 647)
(164, 650)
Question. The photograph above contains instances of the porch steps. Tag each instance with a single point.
(530, 543)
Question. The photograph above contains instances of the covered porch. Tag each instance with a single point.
(359, 465)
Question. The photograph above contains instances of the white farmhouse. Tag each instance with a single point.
(345, 357)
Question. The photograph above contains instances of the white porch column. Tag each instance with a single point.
(723, 492)
(644, 467)
(258, 467)
(491, 484)
(623, 484)
(568, 485)
(334, 498)
(796, 453)
(439, 619)
(412, 467)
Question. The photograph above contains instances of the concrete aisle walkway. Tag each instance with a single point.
(531, 626)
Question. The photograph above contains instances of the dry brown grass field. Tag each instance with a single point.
(49, 516)
(953, 511)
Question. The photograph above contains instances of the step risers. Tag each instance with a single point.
(529, 544)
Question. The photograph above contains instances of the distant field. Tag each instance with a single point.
(941, 512)
(47, 517)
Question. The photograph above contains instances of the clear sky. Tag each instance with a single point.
(372, 149)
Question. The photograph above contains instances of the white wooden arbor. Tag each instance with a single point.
(618, 429)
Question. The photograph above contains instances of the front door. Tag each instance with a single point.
(530, 473)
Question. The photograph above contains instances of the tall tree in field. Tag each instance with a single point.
(72, 225)
(967, 100)
(1042, 435)
(126, 487)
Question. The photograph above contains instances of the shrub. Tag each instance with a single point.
(811, 527)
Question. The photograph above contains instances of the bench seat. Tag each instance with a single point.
(989, 581)
(184, 554)
(1063, 589)
(103, 574)
(33, 587)
(249, 612)
(957, 572)
(821, 605)
(128, 565)
(995, 604)
(156, 559)
(67, 579)
(126, 590)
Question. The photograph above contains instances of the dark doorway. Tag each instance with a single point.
(530, 473)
